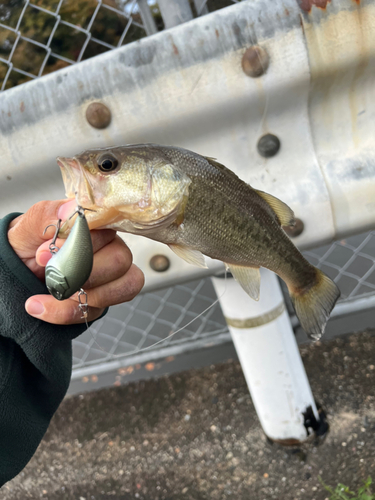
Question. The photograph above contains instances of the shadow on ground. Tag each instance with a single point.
(196, 436)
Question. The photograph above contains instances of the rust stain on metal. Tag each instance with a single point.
(175, 49)
(125, 371)
(286, 11)
(9, 113)
(169, 359)
(217, 33)
(307, 5)
(22, 107)
(150, 366)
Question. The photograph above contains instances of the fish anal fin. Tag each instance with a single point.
(189, 255)
(284, 213)
(248, 278)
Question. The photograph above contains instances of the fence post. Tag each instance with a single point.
(270, 359)
(176, 12)
(201, 7)
(147, 18)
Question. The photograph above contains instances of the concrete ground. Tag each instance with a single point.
(195, 436)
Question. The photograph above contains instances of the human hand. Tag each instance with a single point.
(113, 280)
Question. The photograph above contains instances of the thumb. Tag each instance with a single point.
(66, 312)
(25, 233)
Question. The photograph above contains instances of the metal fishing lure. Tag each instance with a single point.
(70, 267)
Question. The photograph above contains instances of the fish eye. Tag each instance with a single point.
(107, 163)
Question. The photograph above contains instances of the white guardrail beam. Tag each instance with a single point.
(186, 86)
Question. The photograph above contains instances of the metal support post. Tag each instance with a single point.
(147, 18)
(201, 7)
(176, 12)
(269, 356)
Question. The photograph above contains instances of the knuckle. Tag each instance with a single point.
(121, 258)
(102, 237)
(37, 208)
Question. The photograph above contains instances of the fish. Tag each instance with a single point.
(198, 207)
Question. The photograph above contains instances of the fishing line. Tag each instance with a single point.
(169, 336)
(262, 126)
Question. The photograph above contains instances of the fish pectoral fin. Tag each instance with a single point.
(190, 256)
(284, 213)
(248, 278)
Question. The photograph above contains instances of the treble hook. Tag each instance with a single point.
(81, 211)
(52, 247)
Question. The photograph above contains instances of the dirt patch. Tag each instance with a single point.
(196, 436)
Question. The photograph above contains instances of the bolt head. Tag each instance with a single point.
(296, 230)
(268, 145)
(160, 263)
(255, 61)
(98, 115)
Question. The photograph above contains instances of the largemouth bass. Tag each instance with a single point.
(198, 207)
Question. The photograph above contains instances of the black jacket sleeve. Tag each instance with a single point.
(35, 362)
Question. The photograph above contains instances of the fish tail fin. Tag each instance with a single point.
(313, 304)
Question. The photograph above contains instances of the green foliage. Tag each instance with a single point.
(67, 42)
(342, 492)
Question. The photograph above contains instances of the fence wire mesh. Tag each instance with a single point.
(41, 36)
(350, 263)
(130, 328)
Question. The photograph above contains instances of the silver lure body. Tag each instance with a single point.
(70, 267)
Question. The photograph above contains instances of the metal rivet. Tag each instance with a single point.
(268, 145)
(159, 263)
(98, 115)
(296, 230)
(255, 61)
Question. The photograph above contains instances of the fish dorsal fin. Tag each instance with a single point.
(284, 214)
(221, 167)
(193, 257)
(248, 278)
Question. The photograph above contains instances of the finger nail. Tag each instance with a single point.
(34, 308)
(66, 209)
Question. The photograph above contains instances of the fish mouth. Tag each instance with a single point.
(75, 181)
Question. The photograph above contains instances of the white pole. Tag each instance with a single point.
(147, 18)
(175, 12)
(269, 356)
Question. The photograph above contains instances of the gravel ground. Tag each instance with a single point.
(195, 436)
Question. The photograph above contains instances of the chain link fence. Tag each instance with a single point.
(350, 263)
(41, 36)
(130, 328)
